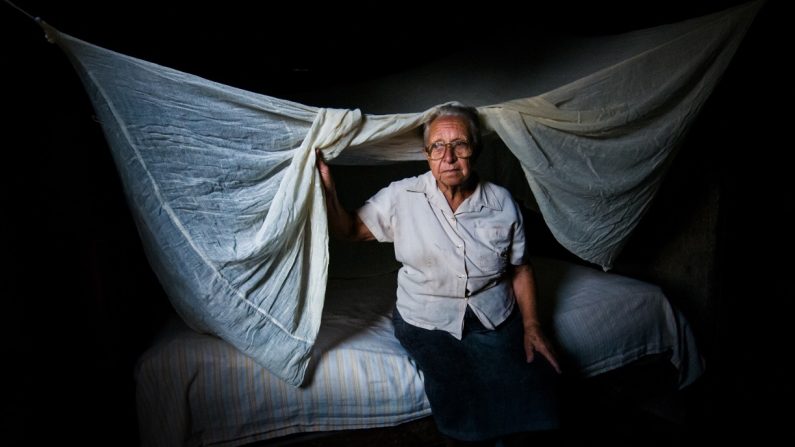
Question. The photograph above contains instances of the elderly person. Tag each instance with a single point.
(466, 305)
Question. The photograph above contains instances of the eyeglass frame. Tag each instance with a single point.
(452, 146)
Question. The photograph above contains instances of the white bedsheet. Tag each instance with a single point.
(199, 390)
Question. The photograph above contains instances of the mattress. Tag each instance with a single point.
(195, 389)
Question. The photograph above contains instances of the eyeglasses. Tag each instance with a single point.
(460, 148)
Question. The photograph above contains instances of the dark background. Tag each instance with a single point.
(81, 303)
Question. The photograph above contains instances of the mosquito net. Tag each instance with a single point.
(223, 186)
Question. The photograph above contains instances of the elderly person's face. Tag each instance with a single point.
(449, 171)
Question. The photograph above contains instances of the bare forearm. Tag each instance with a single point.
(341, 222)
(524, 287)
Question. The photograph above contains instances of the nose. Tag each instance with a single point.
(449, 154)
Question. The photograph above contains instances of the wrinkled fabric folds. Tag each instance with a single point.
(223, 186)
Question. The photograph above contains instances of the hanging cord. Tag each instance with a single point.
(48, 31)
(35, 19)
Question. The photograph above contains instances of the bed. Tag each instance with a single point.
(195, 389)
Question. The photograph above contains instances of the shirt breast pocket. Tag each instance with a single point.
(494, 245)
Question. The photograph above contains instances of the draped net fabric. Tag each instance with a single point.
(223, 186)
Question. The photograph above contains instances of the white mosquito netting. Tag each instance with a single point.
(224, 190)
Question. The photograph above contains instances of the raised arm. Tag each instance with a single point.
(342, 223)
(524, 288)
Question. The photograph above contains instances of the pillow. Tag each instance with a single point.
(601, 321)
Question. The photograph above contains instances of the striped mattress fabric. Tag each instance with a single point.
(195, 389)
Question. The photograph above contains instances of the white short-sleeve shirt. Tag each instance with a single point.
(450, 260)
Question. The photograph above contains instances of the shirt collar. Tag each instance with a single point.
(482, 197)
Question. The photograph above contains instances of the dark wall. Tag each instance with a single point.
(84, 303)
